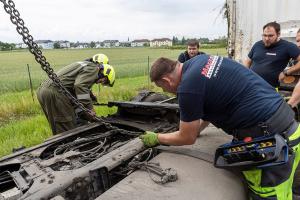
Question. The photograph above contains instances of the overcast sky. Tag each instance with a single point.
(98, 20)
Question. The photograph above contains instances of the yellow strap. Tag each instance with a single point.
(296, 134)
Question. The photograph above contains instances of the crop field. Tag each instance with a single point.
(22, 122)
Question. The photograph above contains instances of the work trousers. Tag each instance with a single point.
(276, 182)
(57, 108)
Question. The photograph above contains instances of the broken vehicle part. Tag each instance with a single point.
(84, 162)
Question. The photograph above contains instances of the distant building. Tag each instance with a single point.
(140, 43)
(64, 44)
(160, 42)
(82, 45)
(45, 44)
(98, 45)
(21, 46)
(111, 43)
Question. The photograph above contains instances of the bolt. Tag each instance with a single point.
(50, 181)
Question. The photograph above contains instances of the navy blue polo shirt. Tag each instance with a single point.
(224, 92)
(183, 57)
(268, 62)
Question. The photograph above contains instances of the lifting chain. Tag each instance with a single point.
(9, 7)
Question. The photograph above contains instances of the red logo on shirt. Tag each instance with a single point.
(211, 68)
(207, 66)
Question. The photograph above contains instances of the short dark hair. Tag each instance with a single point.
(274, 24)
(193, 43)
(298, 30)
(161, 67)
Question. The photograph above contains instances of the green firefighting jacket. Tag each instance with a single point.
(78, 78)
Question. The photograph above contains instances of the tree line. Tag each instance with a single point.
(220, 42)
(7, 46)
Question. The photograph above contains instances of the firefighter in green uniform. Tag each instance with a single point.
(77, 78)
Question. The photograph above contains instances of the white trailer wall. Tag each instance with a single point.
(246, 19)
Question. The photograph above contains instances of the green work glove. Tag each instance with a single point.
(150, 139)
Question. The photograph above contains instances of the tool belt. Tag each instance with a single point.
(281, 122)
(260, 146)
(259, 153)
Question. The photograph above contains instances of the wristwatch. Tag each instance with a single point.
(285, 72)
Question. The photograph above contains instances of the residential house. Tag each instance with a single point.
(160, 42)
(98, 45)
(64, 44)
(140, 43)
(111, 43)
(79, 45)
(45, 44)
(21, 46)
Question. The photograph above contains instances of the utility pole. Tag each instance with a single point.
(30, 83)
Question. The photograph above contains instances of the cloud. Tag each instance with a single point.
(94, 20)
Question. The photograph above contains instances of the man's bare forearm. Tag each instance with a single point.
(173, 138)
(187, 134)
(203, 125)
(295, 98)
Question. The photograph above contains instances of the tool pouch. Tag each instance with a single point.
(261, 152)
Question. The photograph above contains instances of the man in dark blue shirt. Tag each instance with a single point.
(223, 92)
(269, 56)
(192, 51)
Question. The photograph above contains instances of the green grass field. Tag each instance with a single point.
(22, 122)
(128, 62)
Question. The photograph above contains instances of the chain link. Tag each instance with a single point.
(9, 7)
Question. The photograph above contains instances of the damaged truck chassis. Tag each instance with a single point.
(86, 161)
